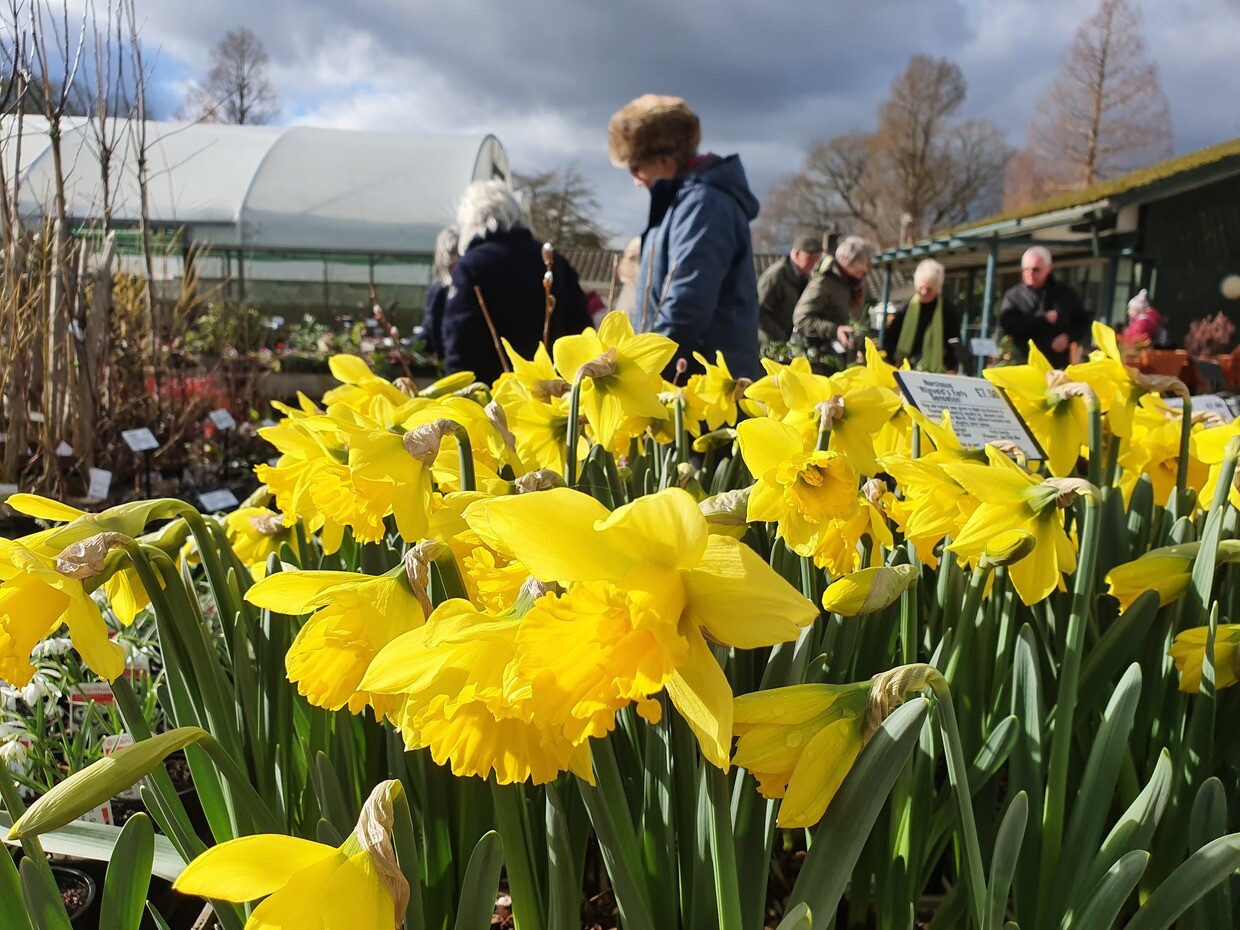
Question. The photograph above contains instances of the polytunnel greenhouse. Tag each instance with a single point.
(294, 219)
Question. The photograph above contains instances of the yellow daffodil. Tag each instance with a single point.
(309, 885)
(1012, 498)
(1207, 446)
(362, 390)
(659, 556)
(1189, 652)
(800, 491)
(855, 413)
(454, 676)
(619, 371)
(799, 742)
(1167, 570)
(1051, 405)
(354, 616)
(1155, 451)
(718, 391)
(1119, 387)
(35, 599)
(764, 397)
(256, 534)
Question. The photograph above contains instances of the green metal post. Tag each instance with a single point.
(882, 323)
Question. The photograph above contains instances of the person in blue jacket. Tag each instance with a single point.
(696, 282)
(501, 259)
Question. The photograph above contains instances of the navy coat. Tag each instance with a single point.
(508, 268)
(696, 282)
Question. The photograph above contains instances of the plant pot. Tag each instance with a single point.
(1175, 363)
(77, 889)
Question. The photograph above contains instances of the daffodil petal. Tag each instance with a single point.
(250, 867)
(701, 693)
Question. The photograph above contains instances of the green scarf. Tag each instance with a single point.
(932, 346)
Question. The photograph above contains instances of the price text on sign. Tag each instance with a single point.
(980, 414)
(140, 440)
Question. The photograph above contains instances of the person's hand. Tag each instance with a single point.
(845, 335)
(1060, 343)
(1052, 316)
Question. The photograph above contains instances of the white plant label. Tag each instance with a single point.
(140, 440)
(214, 501)
(1205, 403)
(100, 484)
(222, 419)
(64, 450)
(980, 345)
(980, 414)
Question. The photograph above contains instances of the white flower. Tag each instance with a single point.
(53, 646)
(13, 754)
(41, 686)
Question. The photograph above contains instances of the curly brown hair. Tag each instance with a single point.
(653, 126)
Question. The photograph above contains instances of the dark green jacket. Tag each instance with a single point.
(779, 289)
(825, 304)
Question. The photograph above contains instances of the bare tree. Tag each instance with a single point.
(921, 170)
(237, 89)
(1105, 113)
(562, 207)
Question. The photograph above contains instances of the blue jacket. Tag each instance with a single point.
(698, 259)
(432, 317)
(508, 268)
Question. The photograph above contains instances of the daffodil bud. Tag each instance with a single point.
(86, 559)
(448, 385)
(599, 367)
(868, 590)
(889, 689)
(1007, 548)
(374, 835)
(715, 439)
(726, 513)
(87, 789)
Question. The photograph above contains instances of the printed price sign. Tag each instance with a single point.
(222, 419)
(222, 499)
(140, 440)
(1205, 403)
(980, 412)
(983, 346)
(100, 484)
(99, 692)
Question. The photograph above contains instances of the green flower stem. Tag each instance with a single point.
(723, 849)
(574, 434)
(967, 624)
(958, 775)
(465, 451)
(1065, 708)
(528, 908)
(1096, 452)
(682, 437)
(1186, 429)
(13, 805)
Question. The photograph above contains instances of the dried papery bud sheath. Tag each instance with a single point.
(685, 473)
(542, 479)
(1061, 386)
(422, 442)
(742, 385)
(533, 589)
(374, 835)
(545, 391)
(873, 490)
(1069, 489)
(87, 558)
(888, 691)
(829, 411)
(1162, 384)
(499, 419)
(599, 367)
(269, 524)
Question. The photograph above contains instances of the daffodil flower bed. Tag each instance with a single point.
(650, 642)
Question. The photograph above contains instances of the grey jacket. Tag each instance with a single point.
(825, 305)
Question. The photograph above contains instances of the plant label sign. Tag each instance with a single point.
(8, 490)
(222, 419)
(980, 413)
(1205, 403)
(101, 814)
(113, 743)
(64, 450)
(214, 501)
(140, 440)
(100, 484)
(35, 416)
(99, 692)
(982, 346)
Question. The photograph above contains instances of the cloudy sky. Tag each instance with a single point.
(766, 78)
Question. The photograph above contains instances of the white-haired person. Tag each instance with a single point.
(501, 259)
(447, 244)
(1044, 311)
(696, 282)
(925, 330)
(834, 297)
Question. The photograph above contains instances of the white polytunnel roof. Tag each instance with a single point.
(262, 187)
